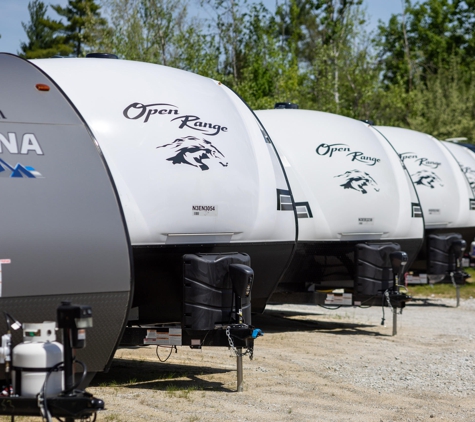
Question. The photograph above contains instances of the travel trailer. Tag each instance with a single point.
(113, 166)
(447, 201)
(356, 206)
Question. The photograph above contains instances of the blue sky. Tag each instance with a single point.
(14, 12)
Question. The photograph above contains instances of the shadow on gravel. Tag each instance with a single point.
(128, 373)
(428, 302)
(279, 322)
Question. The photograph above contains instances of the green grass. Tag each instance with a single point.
(445, 290)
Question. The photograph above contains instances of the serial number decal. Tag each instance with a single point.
(204, 210)
(365, 221)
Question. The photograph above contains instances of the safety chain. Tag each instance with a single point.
(453, 279)
(249, 351)
(386, 295)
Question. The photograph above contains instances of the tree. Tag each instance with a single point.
(42, 33)
(426, 38)
(81, 15)
(155, 31)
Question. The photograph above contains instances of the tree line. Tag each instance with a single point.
(415, 71)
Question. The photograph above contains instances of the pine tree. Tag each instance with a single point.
(42, 32)
(79, 14)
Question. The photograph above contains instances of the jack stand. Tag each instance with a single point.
(394, 321)
(398, 262)
(240, 388)
(457, 290)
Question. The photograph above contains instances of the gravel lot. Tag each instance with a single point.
(312, 364)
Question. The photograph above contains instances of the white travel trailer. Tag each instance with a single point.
(195, 174)
(355, 204)
(466, 159)
(447, 201)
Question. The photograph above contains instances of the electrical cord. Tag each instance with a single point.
(167, 347)
(83, 377)
(42, 403)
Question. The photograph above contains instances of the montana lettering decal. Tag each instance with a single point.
(145, 112)
(425, 162)
(359, 181)
(193, 152)
(330, 149)
(426, 178)
(20, 144)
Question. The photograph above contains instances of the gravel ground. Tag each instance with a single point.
(312, 364)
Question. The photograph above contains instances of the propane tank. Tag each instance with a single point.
(472, 249)
(34, 358)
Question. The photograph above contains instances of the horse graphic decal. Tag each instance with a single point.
(193, 151)
(426, 178)
(358, 180)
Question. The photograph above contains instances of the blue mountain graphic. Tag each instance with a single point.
(18, 171)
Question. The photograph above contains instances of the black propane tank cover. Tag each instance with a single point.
(208, 290)
(442, 250)
(374, 272)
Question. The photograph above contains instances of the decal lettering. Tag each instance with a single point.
(204, 210)
(203, 207)
(421, 161)
(330, 149)
(28, 143)
(326, 149)
(2, 115)
(407, 156)
(365, 221)
(425, 162)
(137, 110)
(359, 156)
(195, 123)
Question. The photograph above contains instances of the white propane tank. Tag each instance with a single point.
(472, 249)
(33, 359)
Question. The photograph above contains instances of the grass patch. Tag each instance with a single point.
(444, 290)
(182, 393)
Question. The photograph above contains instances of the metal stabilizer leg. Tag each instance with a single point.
(457, 290)
(394, 321)
(239, 370)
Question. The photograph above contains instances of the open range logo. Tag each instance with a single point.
(145, 112)
(426, 178)
(330, 149)
(359, 181)
(193, 151)
(6, 170)
(424, 162)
